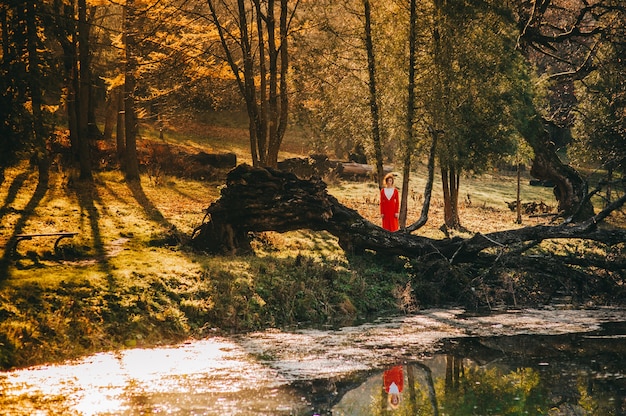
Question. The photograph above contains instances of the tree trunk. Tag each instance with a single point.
(373, 94)
(282, 101)
(92, 126)
(450, 181)
(34, 83)
(271, 84)
(609, 182)
(72, 101)
(84, 92)
(110, 114)
(261, 108)
(410, 116)
(428, 189)
(131, 163)
(570, 188)
(518, 202)
(120, 135)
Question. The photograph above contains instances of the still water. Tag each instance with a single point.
(436, 362)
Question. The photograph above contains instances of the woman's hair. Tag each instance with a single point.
(387, 176)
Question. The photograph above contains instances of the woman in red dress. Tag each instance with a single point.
(389, 204)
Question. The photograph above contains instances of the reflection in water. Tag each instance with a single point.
(474, 391)
(520, 375)
(393, 380)
(495, 389)
(351, 371)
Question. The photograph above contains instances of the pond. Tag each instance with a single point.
(436, 362)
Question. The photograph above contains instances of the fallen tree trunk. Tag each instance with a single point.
(216, 160)
(257, 199)
(353, 170)
(320, 165)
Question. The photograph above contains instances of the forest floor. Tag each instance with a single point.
(128, 279)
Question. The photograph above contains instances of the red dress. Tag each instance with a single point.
(389, 207)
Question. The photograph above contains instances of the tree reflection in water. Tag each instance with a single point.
(520, 375)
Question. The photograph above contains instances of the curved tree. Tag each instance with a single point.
(600, 126)
(561, 38)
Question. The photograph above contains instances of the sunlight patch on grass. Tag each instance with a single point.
(317, 244)
(51, 275)
(153, 261)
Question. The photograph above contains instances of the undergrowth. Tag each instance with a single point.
(50, 323)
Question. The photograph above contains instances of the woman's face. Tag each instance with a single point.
(389, 181)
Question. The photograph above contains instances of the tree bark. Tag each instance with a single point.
(84, 92)
(257, 200)
(375, 113)
(131, 163)
(410, 117)
(450, 180)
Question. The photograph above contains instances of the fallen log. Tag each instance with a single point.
(314, 165)
(353, 170)
(259, 199)
(320, 165)
(216, 160)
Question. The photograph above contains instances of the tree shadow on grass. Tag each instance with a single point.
(152, 212)
(14, 188)
(87, 195)
(35, 200)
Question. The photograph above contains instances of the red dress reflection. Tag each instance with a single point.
(393, 380)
